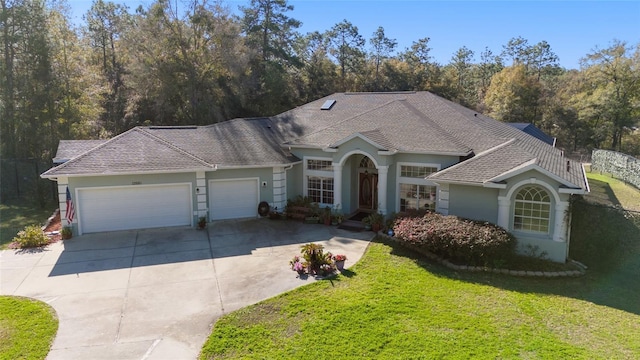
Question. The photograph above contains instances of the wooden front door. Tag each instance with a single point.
(368, 191)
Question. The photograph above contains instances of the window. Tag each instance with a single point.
(414, 191)
(366, 163)
(413, 197)
(319, 165)
(532, 210)
(416, 171)
(320, 189)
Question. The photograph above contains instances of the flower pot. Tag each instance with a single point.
(327, 221)
(340, 265)
(375, 227)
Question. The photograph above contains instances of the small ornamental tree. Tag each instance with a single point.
(468, 241)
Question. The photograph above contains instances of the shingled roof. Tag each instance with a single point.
(415, 122)
(425, 123)
(68, 149)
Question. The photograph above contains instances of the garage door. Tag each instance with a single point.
(134, 207)
(233, 199)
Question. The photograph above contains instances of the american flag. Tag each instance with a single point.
(71, 212)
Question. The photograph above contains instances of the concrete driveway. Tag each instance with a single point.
(154, 294)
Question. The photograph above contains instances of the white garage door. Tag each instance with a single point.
(233, 199)
(134, 207)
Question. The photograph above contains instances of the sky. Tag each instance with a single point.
(572, 28)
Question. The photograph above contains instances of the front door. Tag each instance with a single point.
(368, 190)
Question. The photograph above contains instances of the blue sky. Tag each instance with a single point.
(572, 28)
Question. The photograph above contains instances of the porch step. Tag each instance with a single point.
(352, 225)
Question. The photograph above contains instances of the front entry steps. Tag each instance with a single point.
(352, 225)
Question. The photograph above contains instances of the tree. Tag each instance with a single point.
(418, 58)
(461, 65)
(489, 65)
(613, 77)
(346, 46)
(513, 96)
(185, 69)
(319, 75)
(106, 23)
(381, 48)
(271, 33)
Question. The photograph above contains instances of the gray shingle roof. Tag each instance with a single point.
(238, 142)
(418, 122)
(68, 149)
(423, 122)
(133, 151)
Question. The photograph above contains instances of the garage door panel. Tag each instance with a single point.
(135, 207)
(233, 199)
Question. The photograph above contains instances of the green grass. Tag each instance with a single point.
(27, 328)
(16, 214)
(609, 191)
(395, 305)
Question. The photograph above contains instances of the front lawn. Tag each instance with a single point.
(396, 305)
(16, 214)
(27, 328)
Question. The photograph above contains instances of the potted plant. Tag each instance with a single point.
(66, 233)
(376, 220)
(339, 260)
(367, 222)
(202, 222)
(297, 265)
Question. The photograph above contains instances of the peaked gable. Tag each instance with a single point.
(135, 151)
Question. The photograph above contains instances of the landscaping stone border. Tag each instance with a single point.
(547, 274)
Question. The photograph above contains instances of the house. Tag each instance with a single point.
(386, 152)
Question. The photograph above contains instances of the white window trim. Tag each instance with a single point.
(413, 180)
(318, 173)
(513, 212)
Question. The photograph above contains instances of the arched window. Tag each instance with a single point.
(532, 210)
(366, 163)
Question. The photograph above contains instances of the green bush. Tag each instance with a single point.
(31, 236)
(467, 241)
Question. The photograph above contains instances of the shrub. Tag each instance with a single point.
(468, 241)
(317, 261)
(31, 236)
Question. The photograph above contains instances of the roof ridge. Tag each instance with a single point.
(478, 156)
(347, 119)
(77, 158)
(172, 146)
(422, 115)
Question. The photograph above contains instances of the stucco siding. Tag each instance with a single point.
(444, 160)
(532, 246)
(473, 202)
(294, 181)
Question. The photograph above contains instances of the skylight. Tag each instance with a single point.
(328, 105)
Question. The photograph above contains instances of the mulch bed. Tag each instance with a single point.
(52, 230)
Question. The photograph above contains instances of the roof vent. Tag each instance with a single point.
(328, 105)
(568, 165)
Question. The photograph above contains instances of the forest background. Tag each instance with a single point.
(200, 63)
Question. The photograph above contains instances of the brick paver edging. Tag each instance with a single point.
(450, 265)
